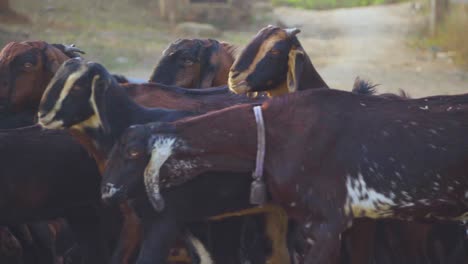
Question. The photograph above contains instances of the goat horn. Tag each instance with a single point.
(73, 48)
(291, 32)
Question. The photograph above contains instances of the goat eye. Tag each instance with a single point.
(133, 154)
(274, 52)
(75, 89)
(188, 62)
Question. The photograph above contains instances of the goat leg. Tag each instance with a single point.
(126, 250)
(160, 234)
(86, 224)
(323, 240)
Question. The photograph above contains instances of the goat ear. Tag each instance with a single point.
(207, 77)
(99, 90)
(53, 58)
(296, 63)
(209, 61)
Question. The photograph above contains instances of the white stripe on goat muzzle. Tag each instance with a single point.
(69, 83)
(109, 191)
(54, 124)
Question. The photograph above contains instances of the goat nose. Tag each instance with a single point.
(109, 192)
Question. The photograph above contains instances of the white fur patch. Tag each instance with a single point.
(205, 257)
(178, 169)
(110, 191)
(365, 201)
(54, 124)
(93, 121)
(162, 150)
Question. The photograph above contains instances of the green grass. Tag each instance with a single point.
(124, 35)
(327, 4)
(121, 34)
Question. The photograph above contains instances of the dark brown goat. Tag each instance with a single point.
(255, 71)
(204, 63)
(59, 181)
(195, 63)
(100, 123)
(340, 175)
(25, 70)
(274, 61)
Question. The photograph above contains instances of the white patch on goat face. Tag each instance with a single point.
(365, 201)
(93, 121)
(162, 150)
(55, 124)
(48, 120)
(110, 191)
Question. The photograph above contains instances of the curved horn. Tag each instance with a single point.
(291, 32)
(72, 48)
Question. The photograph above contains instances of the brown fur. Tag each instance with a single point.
(274, 61)
(28, 83)
(195, 63)
(309, 182)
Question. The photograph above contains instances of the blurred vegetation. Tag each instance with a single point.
(452, 34)
(116, 33)
(123, 35)
(450, 38)
(327, 4)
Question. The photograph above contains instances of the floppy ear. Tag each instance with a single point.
(99, 91)
(296, 61)
(209, 61)
(53, 58)
(207, 77)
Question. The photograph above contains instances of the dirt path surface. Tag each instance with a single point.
(371, 42)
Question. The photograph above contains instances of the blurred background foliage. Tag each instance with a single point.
(327, 4)
(125, 34)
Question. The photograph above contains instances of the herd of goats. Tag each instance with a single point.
(224, 156)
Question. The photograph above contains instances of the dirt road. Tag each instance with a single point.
(372, 42)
